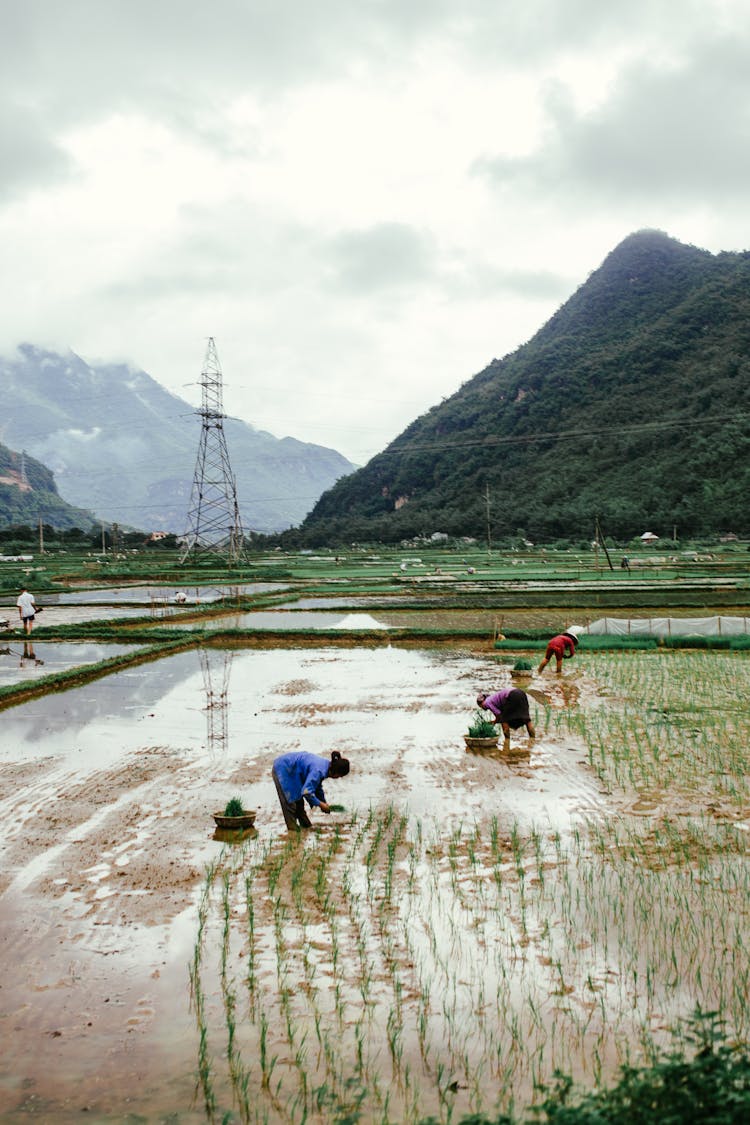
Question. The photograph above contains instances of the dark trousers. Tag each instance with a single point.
(294, 812)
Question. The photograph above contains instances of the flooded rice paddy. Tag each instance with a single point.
(313, 614)
(30, 659)
(114, 595)
(466, 926)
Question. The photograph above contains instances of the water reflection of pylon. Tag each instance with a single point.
(216, 666)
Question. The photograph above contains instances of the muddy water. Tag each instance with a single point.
(113, 595)
(75, 615)
(377, 618)
(106, 795)
(119, 603)
(292, 620)
(31, 659)
(359, 613)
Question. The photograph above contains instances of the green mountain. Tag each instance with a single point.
(28, 493)
(631, 403)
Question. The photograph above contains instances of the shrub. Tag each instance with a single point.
(711, 1088)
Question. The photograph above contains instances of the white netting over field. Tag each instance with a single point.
(669, 626)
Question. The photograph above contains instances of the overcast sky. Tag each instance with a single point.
(363, 201)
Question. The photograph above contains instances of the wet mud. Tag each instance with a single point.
(107, 794)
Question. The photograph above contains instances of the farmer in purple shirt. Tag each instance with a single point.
(298, 777)
(510, 707)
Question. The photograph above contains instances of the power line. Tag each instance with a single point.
(561, 435)
(485, 441)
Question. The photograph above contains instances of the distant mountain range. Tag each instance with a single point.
(631, 404)
(124, 448)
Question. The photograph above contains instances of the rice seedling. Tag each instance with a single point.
(396, 968)
(481, 727)
(234, 807)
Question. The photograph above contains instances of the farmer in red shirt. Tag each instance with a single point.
(561, 647)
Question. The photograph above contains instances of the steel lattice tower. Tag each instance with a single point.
(214, 524)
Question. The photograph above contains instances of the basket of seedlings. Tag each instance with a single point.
(522, 669)
(235, 816)
(482, 734)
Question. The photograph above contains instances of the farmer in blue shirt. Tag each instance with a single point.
(298, 777)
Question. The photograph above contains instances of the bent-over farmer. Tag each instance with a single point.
(298, 777)
(510, 708)
(562, 647)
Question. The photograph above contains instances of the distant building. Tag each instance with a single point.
(648, 537)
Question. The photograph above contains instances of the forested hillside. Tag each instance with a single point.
(631, 404)
(28, 493)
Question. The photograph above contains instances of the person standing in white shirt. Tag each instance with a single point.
(26, 609)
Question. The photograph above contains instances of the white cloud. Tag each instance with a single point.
(362, 203)
(385, 256)
(678, 134)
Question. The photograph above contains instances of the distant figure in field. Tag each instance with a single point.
(562, 647)
(625, 563)
(26, 609)
(510, 708)
(298, 777)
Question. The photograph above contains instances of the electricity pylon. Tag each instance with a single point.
(214, 524)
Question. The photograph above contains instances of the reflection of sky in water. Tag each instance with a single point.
(115, 594)
(349, 602)
(398, 714)
(301, 619)
(24, 660)
(489, 621)
(79, 614)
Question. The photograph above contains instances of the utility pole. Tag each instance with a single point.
(489, 530)
(41, 537)
(214, 524)
(600, 539)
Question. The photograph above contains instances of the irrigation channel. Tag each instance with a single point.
(467, 926)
